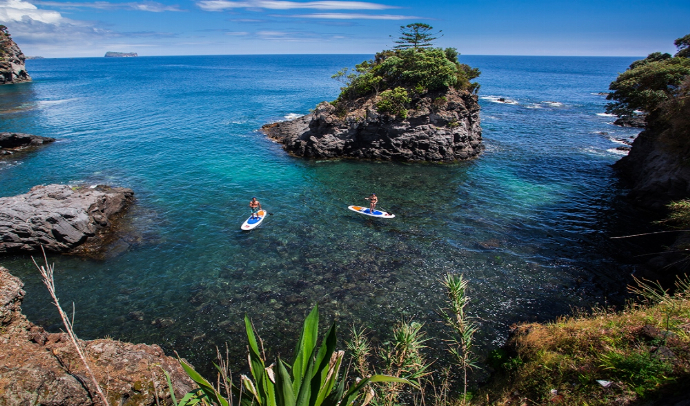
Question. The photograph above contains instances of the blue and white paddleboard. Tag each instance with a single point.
(252, 223)
(367, 212)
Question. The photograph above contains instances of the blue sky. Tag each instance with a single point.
(56, 28)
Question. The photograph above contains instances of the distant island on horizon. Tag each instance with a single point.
(111, 54)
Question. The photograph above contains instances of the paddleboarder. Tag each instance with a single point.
(372, 202)
(254, 206)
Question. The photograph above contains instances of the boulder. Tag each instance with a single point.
(41, 368)
(12, 69)
(440, 126)
(60, 218)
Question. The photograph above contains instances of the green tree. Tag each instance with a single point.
(683, 45)
(416, 35)
(650, 82)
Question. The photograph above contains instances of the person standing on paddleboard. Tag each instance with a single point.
(372, 202)
(255, 206)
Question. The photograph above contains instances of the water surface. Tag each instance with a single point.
(527, 223)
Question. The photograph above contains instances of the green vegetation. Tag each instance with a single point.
(463, 328)
(639, 353)
(650, 82)
(393, 102)
(311, 380)
(414, 66)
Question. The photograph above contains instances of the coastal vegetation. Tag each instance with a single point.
(410, 70)
(650, 84)
(599, 358)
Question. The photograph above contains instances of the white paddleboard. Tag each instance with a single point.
(252, 223)
(367, 212)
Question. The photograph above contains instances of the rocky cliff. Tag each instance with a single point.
(12, 69)
(60, 218)
(41, 368)
(658, 165)
(440, 126)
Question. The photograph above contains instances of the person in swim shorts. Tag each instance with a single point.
(254, 206)
(372, 202)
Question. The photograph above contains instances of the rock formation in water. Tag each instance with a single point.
(412, 104)
(10, 142)
(41, 368)
(12, 69)
(61, 218)
(441, 126)
(111, 54)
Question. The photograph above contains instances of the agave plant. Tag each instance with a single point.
(311, 380)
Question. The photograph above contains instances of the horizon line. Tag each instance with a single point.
(34, 57)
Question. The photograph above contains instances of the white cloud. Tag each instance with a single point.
(354, 16)
(220, 5)
(19, 10)
(151, 6)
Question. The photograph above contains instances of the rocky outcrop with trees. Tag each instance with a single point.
(658, 165)
(413, 103)
(61, 218)
(12, 69)
(41, 368)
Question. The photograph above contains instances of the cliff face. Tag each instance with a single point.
(441, 126)
(657, 167)
(12, 69)
(41, 368)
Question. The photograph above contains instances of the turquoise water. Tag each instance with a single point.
(527, 223)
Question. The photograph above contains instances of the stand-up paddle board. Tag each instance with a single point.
(252, 223)
(367, 212)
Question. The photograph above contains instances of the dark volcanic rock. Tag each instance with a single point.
(631, 121)
(657, 174)
(40, 368)
(19, 141)
(59, 217)
(442, 126)
(12, 69)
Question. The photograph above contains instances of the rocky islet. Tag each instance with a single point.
(442, 126)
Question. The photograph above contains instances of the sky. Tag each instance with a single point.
(56, 28)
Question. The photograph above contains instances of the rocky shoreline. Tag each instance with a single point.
(37, 367)
(61, 218)
(442, 126)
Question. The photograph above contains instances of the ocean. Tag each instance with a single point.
(527, 223)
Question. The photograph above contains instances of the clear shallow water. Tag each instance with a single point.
(527, 223)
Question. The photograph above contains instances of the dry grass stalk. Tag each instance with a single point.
(47, 276)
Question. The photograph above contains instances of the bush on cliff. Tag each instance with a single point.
(393, 102)
(650, 82)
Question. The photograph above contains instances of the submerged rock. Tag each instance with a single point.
(12, 68)
(60, 218)
(440, 126)
(37, 367)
